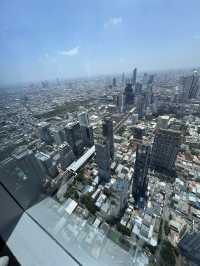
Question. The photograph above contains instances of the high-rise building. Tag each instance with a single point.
(163, 121)
(165, 148)
(123, 79)
(151, 79)
(86, 129)
(128, 96)
(74, 138)
(87, 136)
(138, 89)
(103, 160)
(140, 105)
(190, 86)
(119, 195)
(140, 180)
(44, 132)
(189, 247)
(66, 155)
(138, 132)
(107, 130)
(58, 135)
(47, 163)
(145, 78)
(134, 119)
(114, 83)
(83, 119)
(134, 78)
(120, 102)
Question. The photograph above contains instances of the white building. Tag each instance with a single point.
(83, 119)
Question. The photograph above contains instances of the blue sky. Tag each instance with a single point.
(46, 39)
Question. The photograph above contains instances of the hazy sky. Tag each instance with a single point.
(42, 39)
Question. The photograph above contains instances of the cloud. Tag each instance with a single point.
(70, 52)
(47, 58)
(55, 56)
(113, 21)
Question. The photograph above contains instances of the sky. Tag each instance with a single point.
(48, 39)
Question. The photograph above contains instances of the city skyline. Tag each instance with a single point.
(102, 174)
(73, 38)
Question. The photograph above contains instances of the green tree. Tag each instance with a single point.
(124, 230)
(80, 175)
(89, 203)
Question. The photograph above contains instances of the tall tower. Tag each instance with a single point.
(74, 137)
(44, 132)
(165, 148)
(86, 129)
(138, 88)
(83, 119)
(114, 83)
(103, 159)
(190, 86)
(66, 155)
(151, 79)
(140, 105)
(134, 78)
(48, 164)
(140, 180)
(145, 78)
(123, 79)
(128, 95)
(107, 130)
(58, 135)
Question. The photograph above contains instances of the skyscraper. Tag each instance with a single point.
(145, 78)
(151, 79)
(58, 135)
(123, 79)
(103, 159)
(47, 163)
(165, 148)
(163, 121)
(74, 138)
(66, 155)
(134, 78)
(114, 83)
(140, 105)
(138, 88)
(87, 135)
(44, 132)
(119, 195)
(107, 130)
(86, 129)
(83, 119)
(189, 247)
(190, 86)
(120, 102)
(140, 180)
(128, 96)
(138, 132)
